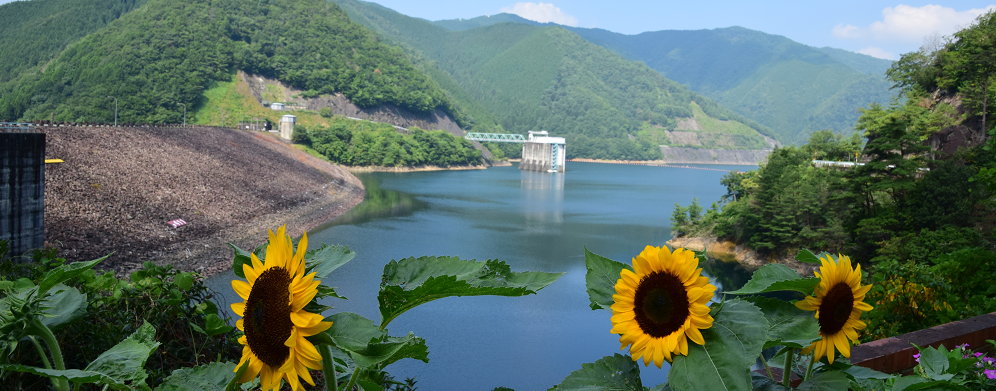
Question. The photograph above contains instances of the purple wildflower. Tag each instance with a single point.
(977, 354)
(989, 360)
(917, 357)
(990, 373)
(962, 346)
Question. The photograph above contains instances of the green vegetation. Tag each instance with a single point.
(534, 78)
(920, 221)
(110, 310)
(33, 32)
(362, 143)
(169, 53)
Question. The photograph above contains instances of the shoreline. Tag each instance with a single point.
(661, 163)
(366, 169)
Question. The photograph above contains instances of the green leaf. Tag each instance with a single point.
(937, 385)
(732, 345)
(414, 281)
(207, 377)
(239, 257)
(934, 364)
(62, 273)
(807, 257)
(197, 328)
(775, 277)
(233, 384)
(905, 382)
(615, 372)
(369, 345)
(123, 363)
(63, 306)
(601, 279)
(787, 324)
(184, 280)
(74, 375)
(859, 372)
(826, 381)
(326, 259)
(764, 383)
(214, 325)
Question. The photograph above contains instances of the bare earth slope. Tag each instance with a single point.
(119, 186)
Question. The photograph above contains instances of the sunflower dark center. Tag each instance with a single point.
(836, 309)
(267, 317)
(661, 304)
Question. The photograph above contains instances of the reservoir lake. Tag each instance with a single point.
(534, 221)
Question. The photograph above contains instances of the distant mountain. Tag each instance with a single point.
(167, 53)
(548, 78)
(790, 87)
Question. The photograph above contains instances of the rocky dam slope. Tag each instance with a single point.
(118, 188)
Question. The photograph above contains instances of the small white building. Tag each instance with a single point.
(543, 153)
(277, 106)
(287, 126)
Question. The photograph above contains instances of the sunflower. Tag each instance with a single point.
(273, 316)
(839, 299)
(660, 304)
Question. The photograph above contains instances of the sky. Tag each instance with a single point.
(884, 29)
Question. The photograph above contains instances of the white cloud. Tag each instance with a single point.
(541, 12)
(911, 24)
(878, 53)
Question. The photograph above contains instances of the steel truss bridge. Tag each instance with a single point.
(496, 137)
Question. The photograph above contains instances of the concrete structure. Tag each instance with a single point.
(287, 126)
(543, 153)
(22, 191)
(277, 106)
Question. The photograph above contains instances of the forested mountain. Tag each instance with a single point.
(548, 78)
(792, 88)
(166, 53)
(32, 32)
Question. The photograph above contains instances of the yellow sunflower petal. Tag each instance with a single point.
(240, 309)
(242, 288)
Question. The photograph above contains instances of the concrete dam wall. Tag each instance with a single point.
(713, 156)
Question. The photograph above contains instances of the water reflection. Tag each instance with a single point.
(543, 194)
(377, 204)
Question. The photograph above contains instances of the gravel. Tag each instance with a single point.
(118, 188)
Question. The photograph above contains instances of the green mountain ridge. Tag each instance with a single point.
(166, 54)
(547, 78)
(790, 87)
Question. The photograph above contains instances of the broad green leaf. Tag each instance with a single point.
(74, 375)
(858, 372)
(63, 306)
(414, 281)
(905, 382)
(325, 259)
(937, 385)
(123, 363)
(239, 258)
(616, 373)
(214, 325)
(807, 257)
(826, 381)
(935, 364)
(787, 324)
(208, 377)
(62, 273)
(732, 345)
(765, 383)
(601, 279)
(775, 277)
(369, 345)
(234, 384)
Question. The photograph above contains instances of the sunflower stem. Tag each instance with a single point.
(787, 370)
(41, 351)
(352, 379)
(809, 370)
(328, 367)
(61, 383)
(767, 368)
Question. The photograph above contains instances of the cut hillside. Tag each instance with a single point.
(119, 186)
